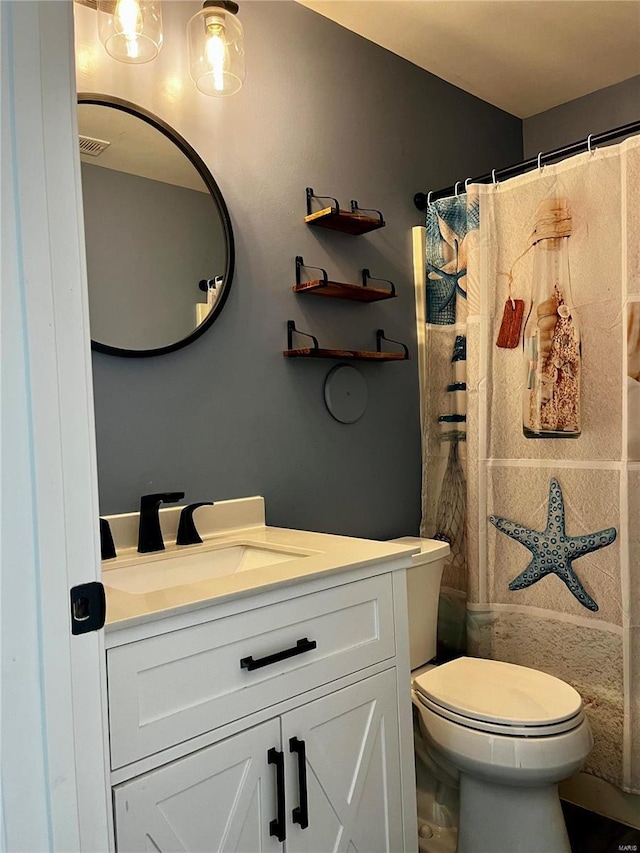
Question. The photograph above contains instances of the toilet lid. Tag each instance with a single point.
(498, 692)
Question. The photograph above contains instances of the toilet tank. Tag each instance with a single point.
(423, 593)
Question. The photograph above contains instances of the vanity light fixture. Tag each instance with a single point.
(130, 30)
(216, 49)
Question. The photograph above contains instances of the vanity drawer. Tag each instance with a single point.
(166, 689)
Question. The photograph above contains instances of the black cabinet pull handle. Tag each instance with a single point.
(301, 813)
(277, 826)
(300, 648)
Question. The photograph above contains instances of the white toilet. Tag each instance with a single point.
(508, 733)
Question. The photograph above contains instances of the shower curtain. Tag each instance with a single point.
(516, 589)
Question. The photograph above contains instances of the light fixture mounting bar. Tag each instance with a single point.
(227, 5)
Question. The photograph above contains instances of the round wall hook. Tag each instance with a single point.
(429, 194)
(345, 393)
(540, 160)
(589, 148)
(455, 188)
(493, 176)
(466, 184)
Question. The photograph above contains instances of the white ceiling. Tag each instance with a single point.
(136, 147)
(524, 56)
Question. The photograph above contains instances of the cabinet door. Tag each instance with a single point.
(221, 798)
(352, 770)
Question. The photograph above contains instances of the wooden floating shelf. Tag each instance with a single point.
(341, 290)
(353, 221)
(344, 220)
(316, 351)
(351, 355)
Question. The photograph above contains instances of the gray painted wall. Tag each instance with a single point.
(228, 416)
(611, 107)
(171, 238)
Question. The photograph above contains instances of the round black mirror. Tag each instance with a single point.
(160, 251)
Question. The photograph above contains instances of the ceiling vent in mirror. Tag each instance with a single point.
(93, 147)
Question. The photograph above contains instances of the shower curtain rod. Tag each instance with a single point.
(420, 199)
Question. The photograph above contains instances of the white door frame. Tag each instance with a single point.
(55, 792)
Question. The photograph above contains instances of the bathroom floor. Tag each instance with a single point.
(591, 833)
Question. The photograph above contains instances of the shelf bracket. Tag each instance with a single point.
(300, 263)
(356, 209)
(380, 336)
(311, 195)
(291, 328)
(366, 277)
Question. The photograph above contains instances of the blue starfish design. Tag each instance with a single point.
(553, 551)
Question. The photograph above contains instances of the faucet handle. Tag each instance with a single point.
(187, 533)
(151, 501)
(149, 530)
(107, 546)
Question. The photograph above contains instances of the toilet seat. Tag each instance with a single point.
(506, 729)
(500, 698)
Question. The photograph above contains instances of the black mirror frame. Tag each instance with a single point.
(214, 190)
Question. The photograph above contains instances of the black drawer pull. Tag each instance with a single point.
(278, 826)
(300, 814)
(300, 648)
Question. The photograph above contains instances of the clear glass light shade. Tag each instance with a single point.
(130, 30)
(216, 52)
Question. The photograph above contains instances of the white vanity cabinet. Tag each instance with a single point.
(226, 797)
(268, 723)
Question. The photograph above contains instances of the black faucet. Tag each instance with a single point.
(107, 547)
(187, 533)
(149, 532)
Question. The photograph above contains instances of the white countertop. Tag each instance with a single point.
(330, 554)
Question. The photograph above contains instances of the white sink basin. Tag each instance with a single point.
(186, 567)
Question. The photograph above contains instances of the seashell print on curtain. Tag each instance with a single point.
(477, 462)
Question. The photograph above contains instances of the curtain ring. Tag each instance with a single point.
(493, 176)
(540, 161)
(455, 189)
(589, 148)
(429, 198)
(466, 184)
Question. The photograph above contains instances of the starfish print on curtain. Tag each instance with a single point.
(552, 550)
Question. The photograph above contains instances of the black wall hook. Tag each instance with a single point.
(380, 336)
(291, 328)
(300, 263)
(311, 195)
